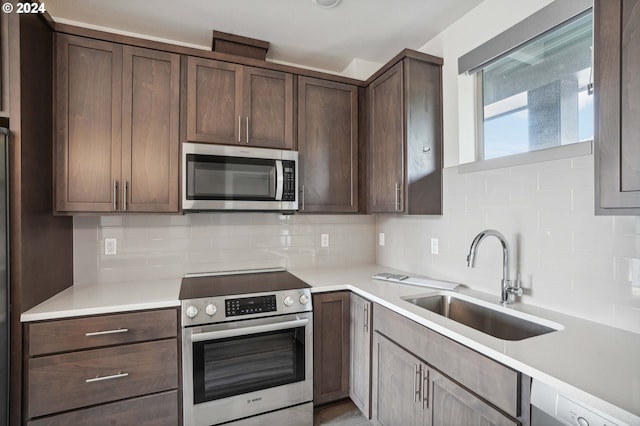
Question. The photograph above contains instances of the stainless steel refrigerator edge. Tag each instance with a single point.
(4, 277)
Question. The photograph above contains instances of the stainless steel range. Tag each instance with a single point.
(247, 349)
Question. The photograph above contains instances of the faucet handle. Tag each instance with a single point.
(513, 291)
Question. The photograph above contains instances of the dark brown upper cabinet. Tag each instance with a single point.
(617, 106)
(117, 140)
(405, 136)
(235, 104)
(328, 146)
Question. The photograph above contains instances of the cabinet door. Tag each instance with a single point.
(397, 397)
(423, 100)
(616, 63)
(331, 313)
(386, 132)
(88, 123)
(360, 371)
(214, 101)
(453, 405)
(268, 108)
(151, 83)
(328, 146)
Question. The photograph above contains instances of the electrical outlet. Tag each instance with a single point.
(434, 246)
(324, 240)
(381, 239)
(635, 272)
(110, 246)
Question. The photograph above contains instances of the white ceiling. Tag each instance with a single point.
(299, 32)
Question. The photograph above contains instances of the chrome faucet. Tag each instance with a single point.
(508, 292)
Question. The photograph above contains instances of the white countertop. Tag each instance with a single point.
(589, 362)
(79, 300)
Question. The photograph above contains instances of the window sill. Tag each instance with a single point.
(549, 154)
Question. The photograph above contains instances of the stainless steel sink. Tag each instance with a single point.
(487, 320)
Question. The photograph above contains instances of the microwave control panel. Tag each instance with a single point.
(289, 187)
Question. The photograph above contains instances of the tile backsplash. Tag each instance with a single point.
(568, 259)
(167, 247)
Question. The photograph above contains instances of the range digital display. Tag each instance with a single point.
(250, 305)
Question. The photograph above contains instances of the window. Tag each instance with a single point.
(538, 95)
(533, 89)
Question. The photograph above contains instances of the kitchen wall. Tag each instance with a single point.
(166, 247)
(569, 259)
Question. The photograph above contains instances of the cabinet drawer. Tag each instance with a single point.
(106, 330)
(487, 378)
(79, 379)
(153, 410)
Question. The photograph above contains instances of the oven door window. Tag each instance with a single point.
(237, 365)
(211, 177)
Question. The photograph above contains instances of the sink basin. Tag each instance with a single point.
(487, 320)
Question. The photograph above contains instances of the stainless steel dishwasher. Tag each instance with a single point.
(549, 407)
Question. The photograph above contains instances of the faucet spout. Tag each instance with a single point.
(507, 289)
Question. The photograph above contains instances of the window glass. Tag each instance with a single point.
(538, 95)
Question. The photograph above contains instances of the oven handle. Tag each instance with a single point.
(244, 331)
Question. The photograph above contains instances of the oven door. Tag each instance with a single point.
(243, 368)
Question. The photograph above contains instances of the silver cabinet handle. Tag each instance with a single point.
(247, 129)
(124, 196)
(425, 389)
(366, 318)
(302, 192)
(416, 383)
(398, 196)
(239, 129)
(113, 376)
(102, 333)
(115, 194)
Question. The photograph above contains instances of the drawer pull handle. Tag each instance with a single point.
(113, 376)
(100, 333)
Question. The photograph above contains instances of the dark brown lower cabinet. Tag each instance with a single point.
(331, 349)
(153, 410)
(360, 368)
(119, 369)
(409, 392)
(420, 377)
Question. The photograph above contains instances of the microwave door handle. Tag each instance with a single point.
(279, 180)
(244, 331)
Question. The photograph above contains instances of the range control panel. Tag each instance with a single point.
(250, 305)
(211, 310)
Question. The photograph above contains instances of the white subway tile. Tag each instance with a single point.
(627, 318)
(625, 224)
(566, 179)
(522, 182)
(582, 161)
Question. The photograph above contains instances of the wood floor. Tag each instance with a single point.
(340, 414)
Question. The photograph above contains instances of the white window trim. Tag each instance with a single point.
(548, 154)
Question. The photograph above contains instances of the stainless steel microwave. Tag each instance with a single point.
(226, 177)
